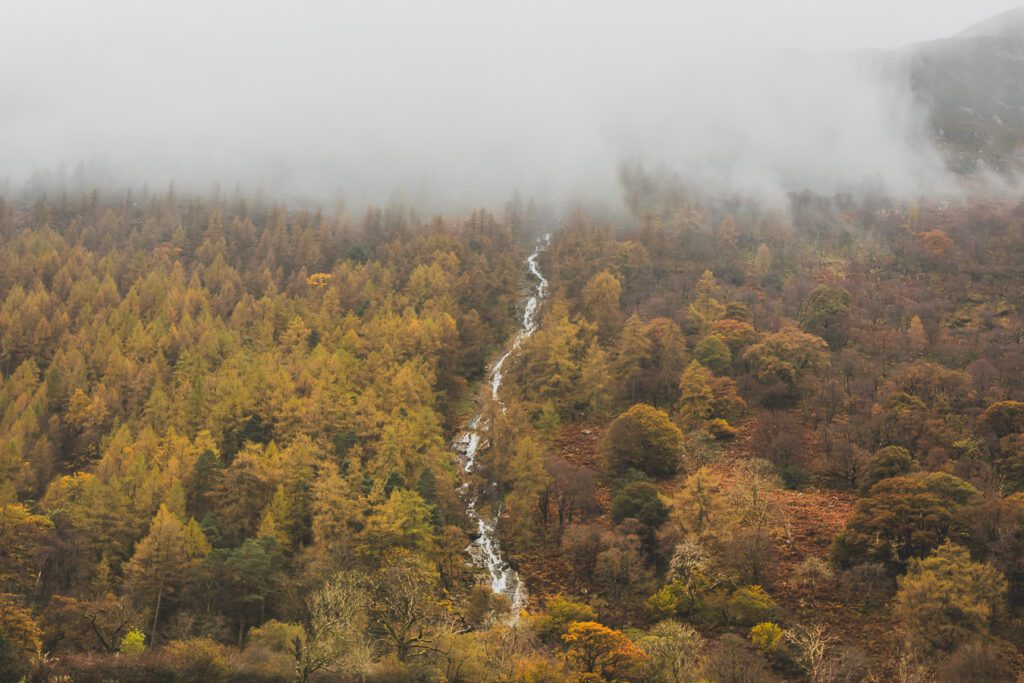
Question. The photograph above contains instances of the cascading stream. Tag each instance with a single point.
(486, 550)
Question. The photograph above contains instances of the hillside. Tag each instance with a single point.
(684, 435)
(972, 84)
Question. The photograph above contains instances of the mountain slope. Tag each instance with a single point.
(973, 86)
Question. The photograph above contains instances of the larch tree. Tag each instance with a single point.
(947, 598)
(157, 569)
(706, 307)
(601, 297)
(696, 397)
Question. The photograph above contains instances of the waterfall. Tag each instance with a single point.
(485, 551)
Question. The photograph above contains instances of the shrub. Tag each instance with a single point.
(813, 572)
(196, 660)
(133, 644)
(733, 659)
(640, 501)
(766, 636)
(749, 605)
(720, 429)
(869, 584)
(795, 477)
(978, 661)
(667, 602)
(559, 612)
(271, 647)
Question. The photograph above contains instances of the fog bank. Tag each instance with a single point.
(458, 103)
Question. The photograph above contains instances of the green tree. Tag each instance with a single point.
(20, 639)
(826, 314)
(596, 385)
(714, 354)
(891, 461)
(639, 500)
(786, 357)
(403, 520)
(674, 651)
(643, 438)
(904, 518)
(23, 547)
(560, 611)
(631, 354)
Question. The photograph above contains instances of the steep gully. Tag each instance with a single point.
(485, 551)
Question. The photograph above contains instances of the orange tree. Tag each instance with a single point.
(597, 649)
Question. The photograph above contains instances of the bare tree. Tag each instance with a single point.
(334, 638)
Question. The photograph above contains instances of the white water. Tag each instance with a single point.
(485, 551)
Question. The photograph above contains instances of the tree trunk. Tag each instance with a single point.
(156, 612)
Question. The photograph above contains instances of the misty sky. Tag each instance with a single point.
(465, 100)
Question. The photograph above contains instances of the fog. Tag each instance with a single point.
(456, 103)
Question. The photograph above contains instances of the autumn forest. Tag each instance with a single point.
(744, 443)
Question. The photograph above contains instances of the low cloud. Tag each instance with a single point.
(446, 102)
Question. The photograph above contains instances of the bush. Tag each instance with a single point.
(559, 612)
(270, 648)
(766, 636)
(643, 438)
(720, 429)
(750, 605)
(795, 477)
(196, 660)
(133, 644)
(640, 501)
(978, 662)
(732, 660)
(869, 585)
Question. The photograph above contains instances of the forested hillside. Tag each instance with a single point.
(744, 444)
